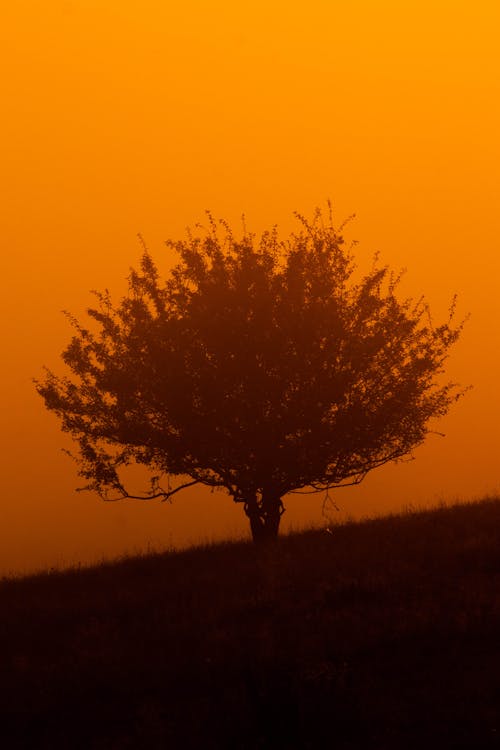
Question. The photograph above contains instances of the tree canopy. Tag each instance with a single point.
(259, 365)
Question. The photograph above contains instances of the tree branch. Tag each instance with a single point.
(164, 494)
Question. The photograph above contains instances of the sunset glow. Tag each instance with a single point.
(135, 117)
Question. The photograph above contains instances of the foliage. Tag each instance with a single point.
(259, 366)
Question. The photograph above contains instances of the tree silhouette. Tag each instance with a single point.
(259, 366)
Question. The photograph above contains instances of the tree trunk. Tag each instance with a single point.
(265, 515)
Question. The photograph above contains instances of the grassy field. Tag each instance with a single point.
(383, 634)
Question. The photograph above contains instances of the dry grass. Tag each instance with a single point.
(384, 634)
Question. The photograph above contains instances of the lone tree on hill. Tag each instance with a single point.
(259, 366)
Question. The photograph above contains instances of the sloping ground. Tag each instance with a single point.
(384, 634)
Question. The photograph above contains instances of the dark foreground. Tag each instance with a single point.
(385, 634)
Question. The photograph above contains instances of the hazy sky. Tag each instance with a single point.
(136, 116)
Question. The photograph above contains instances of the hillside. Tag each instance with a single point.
(383, 634)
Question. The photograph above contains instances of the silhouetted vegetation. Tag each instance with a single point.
(383, 634)
(258, 367)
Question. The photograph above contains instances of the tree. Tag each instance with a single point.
(259, 366)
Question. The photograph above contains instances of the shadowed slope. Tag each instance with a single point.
(383, 632)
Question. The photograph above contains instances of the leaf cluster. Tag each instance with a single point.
(257, 365)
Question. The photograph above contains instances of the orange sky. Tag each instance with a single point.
(135, 116)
